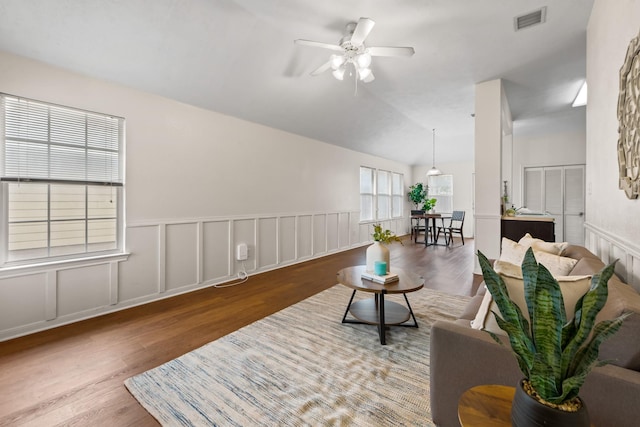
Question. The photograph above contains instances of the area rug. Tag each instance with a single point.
(303, 367)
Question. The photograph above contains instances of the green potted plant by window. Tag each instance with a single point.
(554, 353)
(417, 194)
(429, 204)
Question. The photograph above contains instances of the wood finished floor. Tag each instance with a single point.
(73, 375)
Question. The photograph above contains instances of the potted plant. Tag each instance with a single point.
(378, 251)
(429, 204)
(417, 194)
(554, 353)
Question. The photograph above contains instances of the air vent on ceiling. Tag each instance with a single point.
(533, 18)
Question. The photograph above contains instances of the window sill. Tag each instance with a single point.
(31, 268)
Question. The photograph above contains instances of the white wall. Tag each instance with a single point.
(197, 183)
(558, 143)
(612, 225)
(462, 188)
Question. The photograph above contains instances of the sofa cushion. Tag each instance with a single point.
(587, 265)
(554, 248)
(578, 252)
(623, 348)
(472, 307)
(513, 253)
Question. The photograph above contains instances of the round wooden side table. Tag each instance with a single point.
(486, 406)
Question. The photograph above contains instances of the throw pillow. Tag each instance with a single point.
(555, 248)
(513, 253)
(572, 288)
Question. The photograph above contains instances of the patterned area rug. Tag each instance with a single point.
(302, 366)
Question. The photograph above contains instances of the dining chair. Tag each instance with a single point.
(456, 223)
(415, 224)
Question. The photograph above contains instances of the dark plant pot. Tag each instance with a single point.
(417, 212)
(528, 412)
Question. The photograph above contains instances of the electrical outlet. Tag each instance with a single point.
(242, 252)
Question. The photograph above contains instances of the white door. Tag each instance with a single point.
(553, 203)
(533, 189)
(574, 204)
(558, 191)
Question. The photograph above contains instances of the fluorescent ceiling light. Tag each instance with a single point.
(581, 98)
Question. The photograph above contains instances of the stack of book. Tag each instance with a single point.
(387, 278)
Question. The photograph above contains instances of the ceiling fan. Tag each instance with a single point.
(353, 52)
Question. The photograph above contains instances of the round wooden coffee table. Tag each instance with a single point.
(377, 311)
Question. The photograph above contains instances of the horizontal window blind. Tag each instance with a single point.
(62, 173)
(49, 143)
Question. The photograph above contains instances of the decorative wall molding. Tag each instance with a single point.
(168, 258)
(610, 247)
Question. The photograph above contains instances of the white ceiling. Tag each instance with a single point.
(238, 58)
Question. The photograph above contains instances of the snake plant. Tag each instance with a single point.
(554, 353)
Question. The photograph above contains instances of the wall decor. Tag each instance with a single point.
(629, 121)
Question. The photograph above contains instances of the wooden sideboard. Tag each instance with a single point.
(540, 227)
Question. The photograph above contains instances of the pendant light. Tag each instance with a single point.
(434, 171)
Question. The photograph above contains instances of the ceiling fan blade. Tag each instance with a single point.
(321, 69)
(319, 44)
(369, 78)
(390, 51)
(362, 31)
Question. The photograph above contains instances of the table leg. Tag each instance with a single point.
(426, 231)
(383, 335)
(415, 322)
(348, 307)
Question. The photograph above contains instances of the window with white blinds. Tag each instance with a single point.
(367, 193)
(381, 194)
(61, 175)
(397, 190)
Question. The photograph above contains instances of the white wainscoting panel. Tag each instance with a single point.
(332, 232)
(343, 230)
(215, 250)
(23, 300)
(365, 230)
(167, 258)
(319, 234)
(304, 237)
(267, 252)
(354, 228)
(139, 276)
(244, 231)
(181, 250)
(609, 247)
(83, 289)
(287, 234)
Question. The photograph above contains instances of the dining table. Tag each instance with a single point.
(426, 217)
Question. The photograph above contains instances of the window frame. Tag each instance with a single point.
(372, 174)
(438, 196)
(93, 177)
(395, 196)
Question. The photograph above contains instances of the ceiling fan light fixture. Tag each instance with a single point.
(363, 60)
(352, 53)
(337, 61)
(363, 73)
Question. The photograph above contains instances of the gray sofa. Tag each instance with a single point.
(463, 357)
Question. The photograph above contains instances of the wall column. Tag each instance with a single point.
(492, 121)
